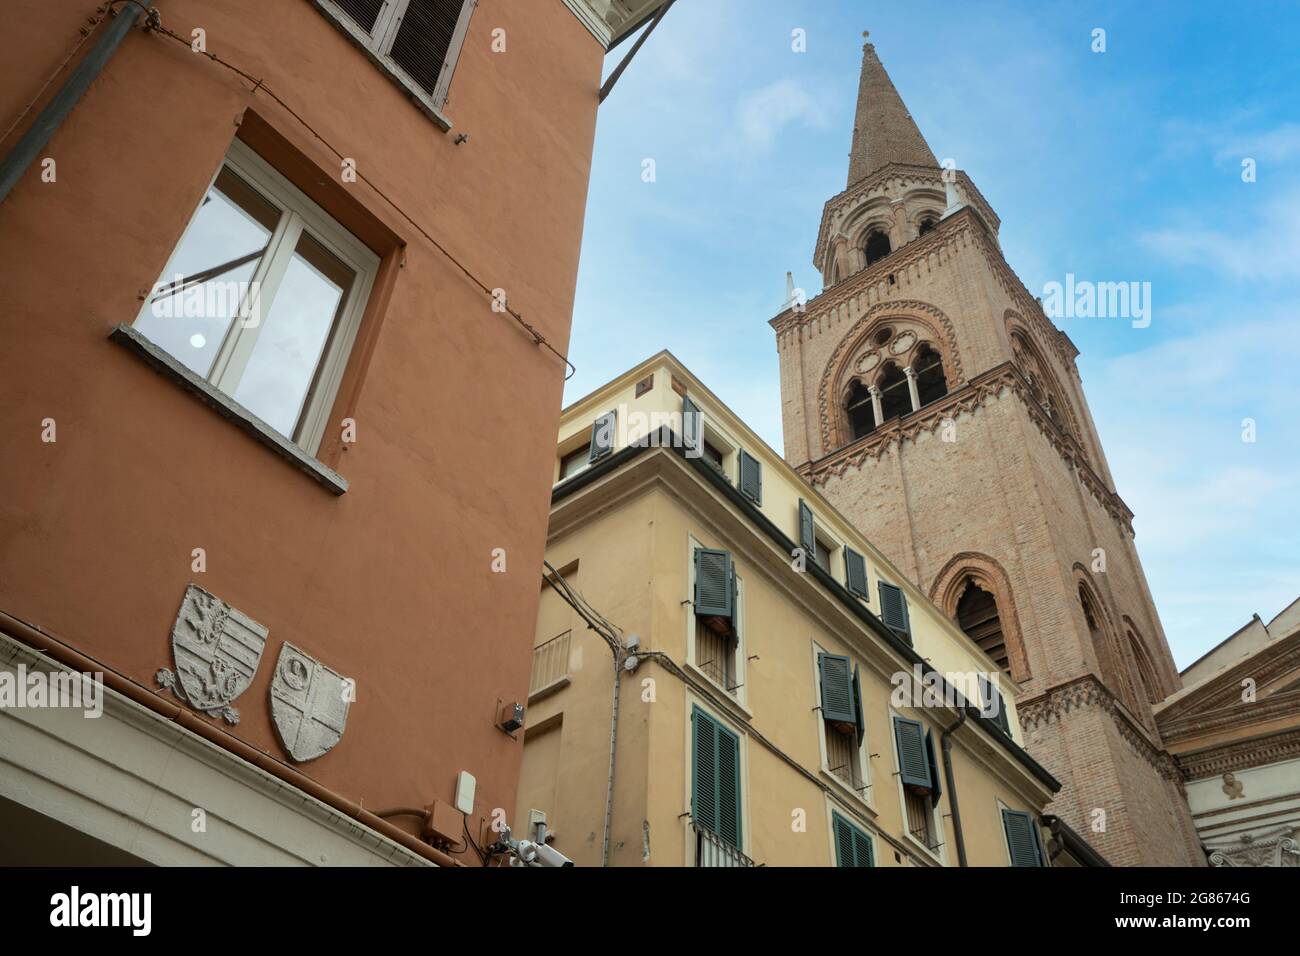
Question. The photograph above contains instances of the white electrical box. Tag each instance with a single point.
(465, 786)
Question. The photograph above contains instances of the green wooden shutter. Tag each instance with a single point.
(1022, 838)
(704, 788)
(728, 786)
(857, 706)
(937, 791)
(692, 428)
(715, 790)
(855, 574)
(893, 609)
(853, 848)
(837, 688)
(602, 436)
(807, 532)
(751, 477)
(864, 851)
(913, 761)
(993, 702)
(715, 583)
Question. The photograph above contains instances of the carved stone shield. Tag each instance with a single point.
(309, 703)
(216, 649)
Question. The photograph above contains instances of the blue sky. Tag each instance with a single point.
(1115, 166)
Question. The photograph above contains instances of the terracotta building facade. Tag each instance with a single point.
(927, 395)
(263, 285)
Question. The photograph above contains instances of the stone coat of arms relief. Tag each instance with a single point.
(216, 649)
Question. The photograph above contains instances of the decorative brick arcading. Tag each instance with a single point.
(1086, 693)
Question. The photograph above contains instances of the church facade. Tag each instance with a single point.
(927, 395)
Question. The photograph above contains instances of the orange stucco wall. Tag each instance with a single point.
(456, 408)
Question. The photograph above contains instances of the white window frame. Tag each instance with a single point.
(379, 42)
(936, 818)
(737, 620)
(863, 768)
(298, 214)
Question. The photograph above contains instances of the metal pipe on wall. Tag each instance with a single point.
(47, 123)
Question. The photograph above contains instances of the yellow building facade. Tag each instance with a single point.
(727, 674)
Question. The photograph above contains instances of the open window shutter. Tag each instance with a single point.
(994, 708)
(857, 706)
(751, 477)
(364, 13)
(937, 790)
(893, 608)
(863, 852)
(422, 46)
(855, 577)
(1022, 838)
(837, 689)
(728, 786)
(913, 760)
(602, 436)
(807, 532)
(715, 590)
(692, 427)
(704, 788)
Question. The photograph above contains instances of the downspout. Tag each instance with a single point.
(613, 750)
(945, 744)
(43, 128)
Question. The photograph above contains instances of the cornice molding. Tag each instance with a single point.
(1239, 755)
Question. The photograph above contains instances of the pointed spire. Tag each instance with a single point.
(883, 130)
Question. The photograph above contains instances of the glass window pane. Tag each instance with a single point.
(284, 364)
(190, 309)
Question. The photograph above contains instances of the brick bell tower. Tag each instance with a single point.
(927, 395)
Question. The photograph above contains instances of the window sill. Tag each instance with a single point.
(435, 115)
(225, 406)
(932, 854)
(849, 793)
(554, 687)
(731, 702)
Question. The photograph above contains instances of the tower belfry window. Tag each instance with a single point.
(862, 416)
(927, 225)
(930, 382)
(977, 615)
(877, 246)
(895, 400)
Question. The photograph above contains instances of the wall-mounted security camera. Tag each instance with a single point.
(539, 854)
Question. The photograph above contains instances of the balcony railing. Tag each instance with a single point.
(550, 664)
(711, 850)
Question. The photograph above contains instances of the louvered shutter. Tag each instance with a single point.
(692, 428)
(853, 848)
(423, 40)
(845, 855)
(728, 786)
(931, 760)
(807, 532)
(715, 583)
(893, 608)
(704, 789)
(751, 477)
(602, 436)
(994, 708)
(913, 761)
(855, 573)
(864, 852)
(1022, 838)
(363, 13)
(837, 688)
(857, 706)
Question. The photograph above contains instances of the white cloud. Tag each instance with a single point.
(1261, 250)
(765, 113)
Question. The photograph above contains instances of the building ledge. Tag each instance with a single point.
(166, 365)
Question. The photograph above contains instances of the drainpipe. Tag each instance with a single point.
(945, 744)
(613, 750)
(43, 128)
